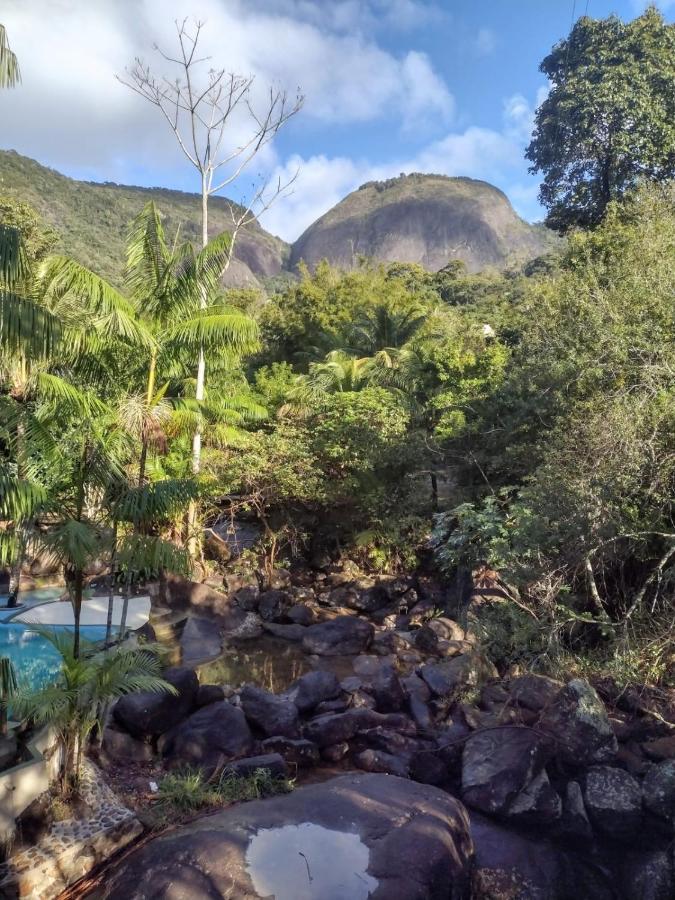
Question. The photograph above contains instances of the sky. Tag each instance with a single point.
(390, 86)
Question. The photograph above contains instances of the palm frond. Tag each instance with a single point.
(214, 328)
(13, 264)
(20, 499)
(140, 552)
(27, 326)
(10, 74)
(72, 400)
(157, 501)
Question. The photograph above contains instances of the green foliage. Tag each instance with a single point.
(608, 121)
(86, 684)
(188, 791)
(9, 65)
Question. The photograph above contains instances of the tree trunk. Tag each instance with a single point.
(111, 588)
(192, 524)
(78, 585)
(434, 491)
(15, 576)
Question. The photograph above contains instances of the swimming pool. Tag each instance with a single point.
(35, 660)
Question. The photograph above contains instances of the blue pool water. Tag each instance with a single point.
(35, 660)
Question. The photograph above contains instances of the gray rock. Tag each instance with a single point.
(334, 729)
(120, 745)
(272, 605)
(248, 597)
(658, 790)
(269, 713)
(613, 801)
(146, 714)
(536, 804)
(335, 752)
(298, 752)
(270, 762)
(286, 632)
(313, 688)
(575, 822)
(342, 636)
(209, 737)
(302, 614)
(498, 764)
(380, 761)
(648, 874)
(209, 693)
(387, 690)
(578, 721)
(534, 692)
(360, 836)
(200, 640)
(447, 677)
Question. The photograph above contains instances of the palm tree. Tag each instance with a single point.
(385, 327)
(9, 64)
(174, 289)
(85, 686)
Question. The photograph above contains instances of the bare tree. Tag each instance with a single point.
(208, 110)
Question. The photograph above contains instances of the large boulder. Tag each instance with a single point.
(313, 688)
(296, 751)
(272, 605)
(578, 722)
(613, 801)
(268, 713)
(351, 838)
(537, 804)
(498, 764)
(649, 875)
(342, 636)
(658, 790)
(208, 738)
(147, 714)
(387, 690)
(534, 692)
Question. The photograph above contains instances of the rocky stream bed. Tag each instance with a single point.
(421, 773)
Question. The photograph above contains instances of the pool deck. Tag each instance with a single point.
(94, 612)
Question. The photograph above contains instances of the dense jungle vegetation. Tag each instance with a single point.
(522, 419)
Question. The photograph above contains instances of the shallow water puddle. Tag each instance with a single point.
(309, 862)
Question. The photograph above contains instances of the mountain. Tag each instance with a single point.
(426, 219)
(92, 219)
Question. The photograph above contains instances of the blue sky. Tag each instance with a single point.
(391, 85)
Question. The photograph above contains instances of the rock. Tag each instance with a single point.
(575, 822)
(209, 693)
(335, 752)
(182, 593)
(120, 745)
(212, 735)
(302, 614)
(150, 714)
(270, 762)
(428, 768)
(351, 684)
(200, 640)
(359, 700)
(380, 761)
(658, 790)
(446, 629)
(269, 713)
(313, 688)
(534, 691)
(418, 696)
(286, 632)
(248, 598)
(661, 748)
(333, 729)
(272, 605)
(387, 690)
(365, 600)
(340, 704)
(235, 583)
(613, 801)
(381, 738)
(451, 743)
(247, 626)
(360, 836)
(497, 765)
(280, 579)
(367, 666)
(298, 752)
(447, 677)
(578, 721)
(648, 875)
(536, 804)
(342, 636)
(510, 866)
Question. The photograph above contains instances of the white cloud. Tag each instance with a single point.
(485, 42)
(72, 113)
